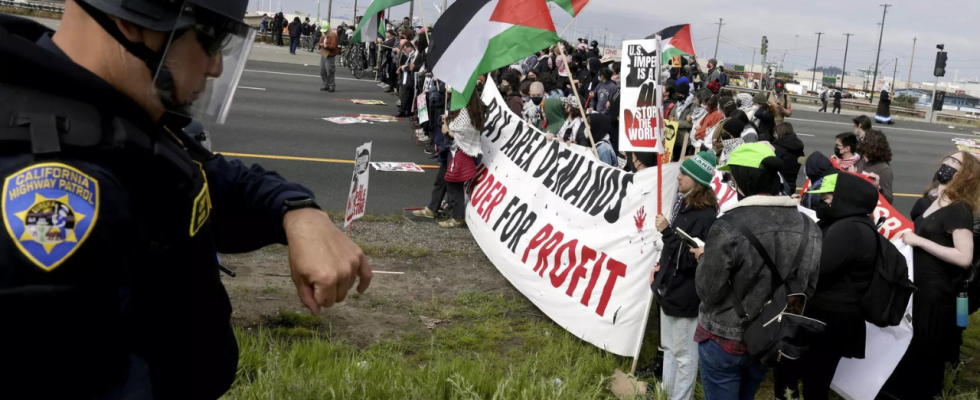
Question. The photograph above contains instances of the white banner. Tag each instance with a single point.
(572, 234)
(641, 97)
(357, 197)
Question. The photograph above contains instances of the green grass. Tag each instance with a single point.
(490, 346)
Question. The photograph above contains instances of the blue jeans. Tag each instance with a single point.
(293, 43)
(727, 376)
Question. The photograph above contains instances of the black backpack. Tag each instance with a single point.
(888, 295)
(775, 332)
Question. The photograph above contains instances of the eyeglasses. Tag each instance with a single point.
(952, 162)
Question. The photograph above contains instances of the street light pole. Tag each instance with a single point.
(908, 85)
(815, 56)
(411, 11)
(843, 69)
(718, 38)
(881, 35)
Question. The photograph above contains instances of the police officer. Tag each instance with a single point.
(113, 215)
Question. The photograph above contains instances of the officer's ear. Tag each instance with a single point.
(152, 39)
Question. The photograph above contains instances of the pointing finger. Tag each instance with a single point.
(306, 297)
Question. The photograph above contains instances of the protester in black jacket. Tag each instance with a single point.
(789, 148)
(766, 118)
(846, 266)
(295, 29)
(693, 212)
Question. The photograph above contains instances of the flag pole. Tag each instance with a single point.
(574, 19)
(660, 126)
(585, 119)
(422, 15)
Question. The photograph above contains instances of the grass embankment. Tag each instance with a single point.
(482, 346)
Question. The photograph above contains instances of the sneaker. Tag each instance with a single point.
(330, 90)
(385, 87)
(424, 213)
(430, 151)
(398, 103)
(423, 138)
(452, 223)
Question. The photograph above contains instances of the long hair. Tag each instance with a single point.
(965, 185)
(875, 146)
(702, 198)
(784, 129)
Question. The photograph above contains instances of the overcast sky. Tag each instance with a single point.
(952, 22)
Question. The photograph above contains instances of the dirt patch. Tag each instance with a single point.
(438, 264)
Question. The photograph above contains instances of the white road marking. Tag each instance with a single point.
(309, 75)
(885, 128)
(805, 134)
(249, 87)
(388, 272)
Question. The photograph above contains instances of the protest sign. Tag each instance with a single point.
(640, 97)
(357, 197)
(571, 233)
(670, 136)
(397, 167)
(345, 120)
(369, 102)
(562, 68)
(423, 109)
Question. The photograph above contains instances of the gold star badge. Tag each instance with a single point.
(43, 228)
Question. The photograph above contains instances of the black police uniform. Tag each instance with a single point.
(109, 279)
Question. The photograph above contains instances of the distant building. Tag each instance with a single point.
(953, 101)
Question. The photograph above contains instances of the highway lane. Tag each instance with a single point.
(285, 120)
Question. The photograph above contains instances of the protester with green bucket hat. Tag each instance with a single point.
(732, 269)
(693, 212)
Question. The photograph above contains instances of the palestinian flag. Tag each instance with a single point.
(676, 41)
(572, 7)
(373, 27)
(473, 37)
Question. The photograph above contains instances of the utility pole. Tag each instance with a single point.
(908, 85)
(318, 10)
(815, 56)
(881, 35)
(329, 10)
(411, 11)
(843, 69)
(718, 38)
(444, 10)
(894, 80)
(749, 73)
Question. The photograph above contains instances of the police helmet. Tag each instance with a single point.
(219, 28)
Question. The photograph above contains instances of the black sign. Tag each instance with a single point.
(642, 65)
(937, 103)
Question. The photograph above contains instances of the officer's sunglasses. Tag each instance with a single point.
(213, 31)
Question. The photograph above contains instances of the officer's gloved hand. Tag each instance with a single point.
(323, 261)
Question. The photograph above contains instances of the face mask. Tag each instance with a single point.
(537, 100)
(945, 174)
(837, 153)
(505, 89)
(479, 87)
(822, 210)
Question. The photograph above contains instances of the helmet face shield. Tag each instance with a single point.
(202, 64)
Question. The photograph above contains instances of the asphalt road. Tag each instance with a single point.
(278, 112)
(285, 119)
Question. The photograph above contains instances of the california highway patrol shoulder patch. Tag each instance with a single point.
(49, 209)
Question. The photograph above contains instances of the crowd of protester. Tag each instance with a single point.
(755, 251)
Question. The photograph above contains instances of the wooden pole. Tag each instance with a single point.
(422, 15)
(585, 119)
